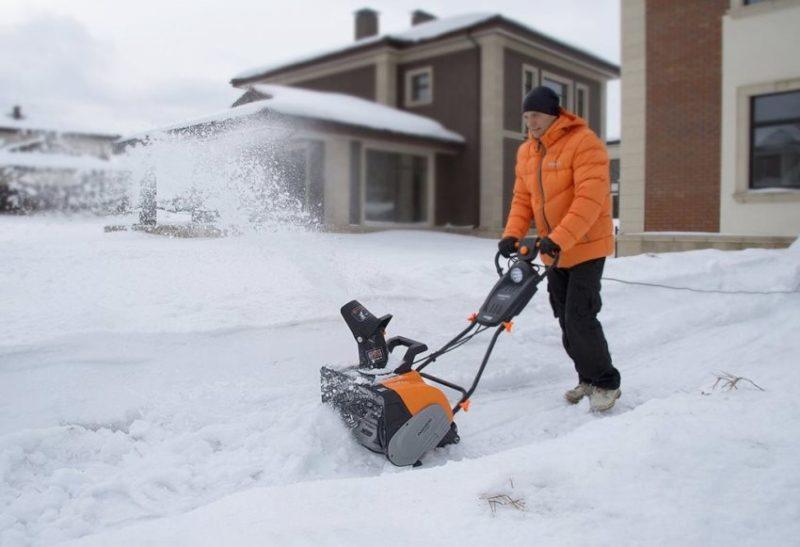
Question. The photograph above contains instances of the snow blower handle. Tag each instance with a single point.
(527, 250)
(414, 349)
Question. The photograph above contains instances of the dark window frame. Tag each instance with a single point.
(581, 106)
(752, 134)
(568, 85)
(535, 72)
(411, 88)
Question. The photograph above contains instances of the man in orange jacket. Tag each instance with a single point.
(562, 184)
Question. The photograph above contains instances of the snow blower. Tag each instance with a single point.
(396, 412)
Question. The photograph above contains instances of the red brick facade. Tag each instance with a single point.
(682, 158)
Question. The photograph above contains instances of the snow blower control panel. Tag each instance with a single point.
(515, 288)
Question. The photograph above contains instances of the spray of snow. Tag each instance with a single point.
(240, 173)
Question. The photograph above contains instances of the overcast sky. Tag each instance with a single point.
(123, 66)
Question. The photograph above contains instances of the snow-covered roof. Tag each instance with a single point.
(54, 126)
(319, 105)
(418, 33)
(38, 160)
(423, 31)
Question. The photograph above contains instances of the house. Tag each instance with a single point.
(312, 142)
(44, 165)
(710, 124)
(469, 74)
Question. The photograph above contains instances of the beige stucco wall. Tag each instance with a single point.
(632, 149)
(760, 55)
(336, 185)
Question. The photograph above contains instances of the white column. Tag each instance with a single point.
(491, 132)
(386, 79)
(633, 127)
(337, 181)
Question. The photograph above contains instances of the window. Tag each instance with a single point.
(396, 187)
(613, 167)
(775, 140)
(419, 86)
(582, 101)
(561, 86)
(530, 79)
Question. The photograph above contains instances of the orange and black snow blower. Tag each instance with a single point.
(396, 412)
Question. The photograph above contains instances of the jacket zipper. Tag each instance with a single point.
(541, 147)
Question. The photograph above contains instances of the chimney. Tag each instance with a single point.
(418, 16)
(366, 23)
(16, 113)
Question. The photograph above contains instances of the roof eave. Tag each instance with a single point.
(448, 144)
(610, 69)
(601, 64)
(72, 133)
(386, 41)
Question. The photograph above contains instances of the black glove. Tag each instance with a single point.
(507, 246)
(549, 247)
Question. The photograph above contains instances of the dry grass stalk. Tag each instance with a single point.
(728, 381)
(502, 500)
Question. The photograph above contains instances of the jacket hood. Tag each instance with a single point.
(565, 122)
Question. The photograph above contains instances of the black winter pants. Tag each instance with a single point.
(575, 298)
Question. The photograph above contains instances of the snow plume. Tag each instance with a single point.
(249, 176)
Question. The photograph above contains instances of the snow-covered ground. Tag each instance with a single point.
(159, 391)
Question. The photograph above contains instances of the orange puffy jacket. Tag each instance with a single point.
(562, 181)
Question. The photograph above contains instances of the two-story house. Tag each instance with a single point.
(469, 73)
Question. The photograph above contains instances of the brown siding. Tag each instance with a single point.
(455, 105)
(683, 114)
(359, 82)
(446, 166)
(512, 104)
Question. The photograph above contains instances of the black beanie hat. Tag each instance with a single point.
(541, 99)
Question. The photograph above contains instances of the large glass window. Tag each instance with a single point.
(775, 140)
(396, 187)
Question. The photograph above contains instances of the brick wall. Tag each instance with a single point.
(682, 159)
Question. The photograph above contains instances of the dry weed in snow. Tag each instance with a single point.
(504, 500)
